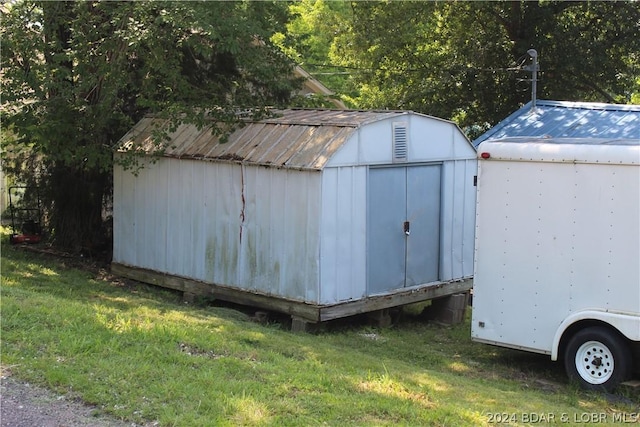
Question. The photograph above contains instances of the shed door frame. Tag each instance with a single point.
(395, 204)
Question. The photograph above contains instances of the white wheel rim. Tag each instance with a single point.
(594, 362)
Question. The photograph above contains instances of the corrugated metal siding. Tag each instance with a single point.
(124, 205)
(556, 119)
(248, 227)
(140, 222)
(280, 246)
(458, 219)
(343, 234)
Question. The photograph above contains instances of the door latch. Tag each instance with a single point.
(407, 230)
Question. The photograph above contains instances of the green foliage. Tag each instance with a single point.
(465, 60)
(309, 38)
(635, 97)
(78, 75)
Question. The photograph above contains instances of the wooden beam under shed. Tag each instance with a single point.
(225, 293)
(404, 297)
(299, 310)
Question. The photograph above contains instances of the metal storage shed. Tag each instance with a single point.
(319, 214)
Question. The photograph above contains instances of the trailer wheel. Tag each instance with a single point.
(598, 359)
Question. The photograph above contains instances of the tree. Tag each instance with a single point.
(309, 37)
(463, 60)
(77, 75)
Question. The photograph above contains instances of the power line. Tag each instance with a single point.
(369, 69)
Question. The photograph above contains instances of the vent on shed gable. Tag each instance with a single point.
(400, 142)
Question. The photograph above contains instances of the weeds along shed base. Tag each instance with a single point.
(319, 214)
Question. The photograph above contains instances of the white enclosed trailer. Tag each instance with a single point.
(557, 252)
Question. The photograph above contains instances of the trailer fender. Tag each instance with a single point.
(628, 324)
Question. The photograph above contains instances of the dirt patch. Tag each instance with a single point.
(26, 405)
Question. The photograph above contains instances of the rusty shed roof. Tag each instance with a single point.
(295, 138)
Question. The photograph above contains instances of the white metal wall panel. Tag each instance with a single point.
(251, 227)
(160, 218)
(508, 258)
(429, 140)
(469, 213)
(180, 185)
(149, 234)
(180, 188)
(280, 232)
(197, 246)
(276, 245)
(139, 219)
(458, 219)
(375, 143)
(218, 254)
(124, 225)
(201, 178)
(437, 140)
(348, 154)
(343, 234)
(259, 260)
(225, 238)
(612, 216)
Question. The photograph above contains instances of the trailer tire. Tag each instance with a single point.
(597, 358)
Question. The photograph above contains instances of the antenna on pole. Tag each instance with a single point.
(534, 75)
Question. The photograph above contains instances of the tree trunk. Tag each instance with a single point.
(72, 194)
(76, 199)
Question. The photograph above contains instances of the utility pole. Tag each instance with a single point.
(534, 75)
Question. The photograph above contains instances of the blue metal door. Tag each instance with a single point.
(403, 229)
(423, 215)
(386, 240)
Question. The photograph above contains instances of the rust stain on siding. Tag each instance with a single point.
(244, 202)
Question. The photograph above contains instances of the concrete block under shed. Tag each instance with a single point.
(449, 310)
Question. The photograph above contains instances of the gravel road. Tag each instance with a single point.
(25, 405)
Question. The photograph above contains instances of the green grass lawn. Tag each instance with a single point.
(140, 354)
